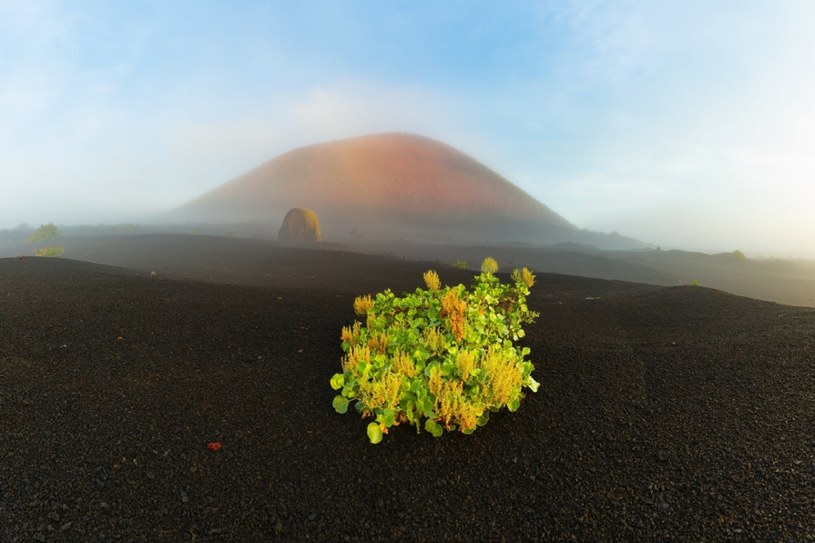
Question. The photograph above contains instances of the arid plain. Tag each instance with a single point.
(669, 413)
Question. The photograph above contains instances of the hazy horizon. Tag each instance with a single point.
(685, 125)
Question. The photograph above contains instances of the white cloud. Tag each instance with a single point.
(354, 107)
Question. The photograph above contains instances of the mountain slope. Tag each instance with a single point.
(383, 183)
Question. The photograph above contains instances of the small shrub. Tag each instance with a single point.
(440, 358)
(45, 232)
(461, 264)
(49, 251)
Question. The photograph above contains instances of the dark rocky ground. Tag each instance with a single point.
(676, 413)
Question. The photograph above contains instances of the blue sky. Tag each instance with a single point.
(686, 124)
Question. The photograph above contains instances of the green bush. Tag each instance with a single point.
(50, 251)
(45, 232)
(440, 358)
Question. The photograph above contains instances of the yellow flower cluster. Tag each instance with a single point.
(465, 363)
(362, 304)
(528, 277)
(431, 279)
(489, 265)
(379, 343)
(525, 276)
(434, 381)
(453, 406)
(403, 363)
(454, 308)
(381, 393)
(434, 340)
(503, 378)
(350, 333)
(356, 354)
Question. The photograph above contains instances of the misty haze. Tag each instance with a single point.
(196, 201)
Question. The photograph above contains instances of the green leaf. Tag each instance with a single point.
(363, 368)
(349, 391)
(420, 355)
(410, 412)
(337, 381)
(340, 404)
(433, 427)
(426, 404)
(514, 404)
(374, 432)
(532, 384)
(387, 417)
(483, 419)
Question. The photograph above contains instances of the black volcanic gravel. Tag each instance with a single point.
(663, 414)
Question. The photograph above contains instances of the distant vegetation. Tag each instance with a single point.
(46, 232)
(302, 225)
(443, 356)
(49, 251)
(734, 255)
